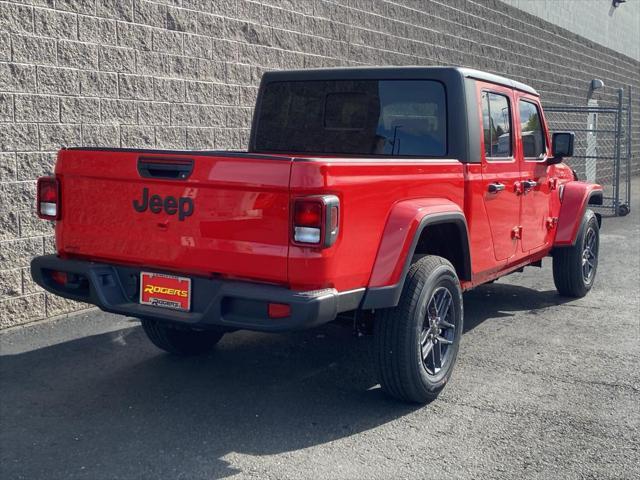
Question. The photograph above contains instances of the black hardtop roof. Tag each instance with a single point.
(388, 73)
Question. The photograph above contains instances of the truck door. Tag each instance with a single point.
(500, 170)
(532, 150)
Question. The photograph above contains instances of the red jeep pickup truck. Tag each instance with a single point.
(385, 190)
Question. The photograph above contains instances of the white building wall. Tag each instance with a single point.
(616, 28)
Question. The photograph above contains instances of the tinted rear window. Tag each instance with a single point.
(360, 117)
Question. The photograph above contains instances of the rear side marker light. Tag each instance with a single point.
(316, 220)
(48, 198)
(279, 310)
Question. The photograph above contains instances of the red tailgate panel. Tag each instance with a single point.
(238, 226)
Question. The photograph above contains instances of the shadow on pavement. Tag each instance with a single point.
(111, 405)
(497, 300)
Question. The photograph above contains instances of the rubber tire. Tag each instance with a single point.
(181, 341)
(567, 261)
(397, 332)
(623, 210)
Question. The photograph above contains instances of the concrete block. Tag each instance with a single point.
(115, 9)
(181, 19)
(17, 196)
(200, 138)
(16, 18)
(117, 59)
(213, 26)
(17, 78)
(7, 167)
(5, 46)
(56, 24)
(184, 114)
(199, 92)
(87, 7)
(31, 225)
(79, 110)
(17, 311)
(224, 50)
(135, 87)
(137, 136)
(197, 45)
(62, 81)
(6, 107)
(154, 113)
(169, 90)
(28, 285)
(29, 49)
(135, 36)
(18, 253)
(36, 108)
(55, 136)
(77, 55)
(32, 165)
(10, 282)
(98, 30)
(56, 305)
(167, 41)
(225, 94)
(210, 116)
(18, 136)
(49, 245)
(118, 111)
(101, 136)
(98, 84)
(170, 137)
(9, 226)
(150, 13)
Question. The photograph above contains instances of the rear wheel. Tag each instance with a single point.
(180, 341)
(417, 342)
(574, 268)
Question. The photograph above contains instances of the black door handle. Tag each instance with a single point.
(529, 184)
(495, 187)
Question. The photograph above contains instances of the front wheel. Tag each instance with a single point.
(574, 268)
(417, 341)
(180, 341)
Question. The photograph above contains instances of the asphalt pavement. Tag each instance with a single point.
(545, 387)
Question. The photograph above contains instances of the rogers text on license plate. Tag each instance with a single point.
(165, 291)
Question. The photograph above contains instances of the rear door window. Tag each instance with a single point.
(361, 117)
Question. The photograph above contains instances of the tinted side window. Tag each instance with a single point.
(360, 117)
(496, 124)
(532, 135)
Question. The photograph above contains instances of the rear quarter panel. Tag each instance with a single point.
(368, 191)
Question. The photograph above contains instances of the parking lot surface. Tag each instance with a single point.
(545, 387)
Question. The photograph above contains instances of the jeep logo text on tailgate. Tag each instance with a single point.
(183, 206)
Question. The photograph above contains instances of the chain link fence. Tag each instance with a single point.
(602, 149)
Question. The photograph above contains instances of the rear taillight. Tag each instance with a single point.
(316, 220)
(48, 198)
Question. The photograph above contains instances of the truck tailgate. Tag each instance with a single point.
(229, 216)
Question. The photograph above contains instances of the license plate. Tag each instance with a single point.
(165, 291)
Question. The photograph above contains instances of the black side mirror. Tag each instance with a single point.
(562, 146)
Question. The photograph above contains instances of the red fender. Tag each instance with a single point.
(575, 198)
(405, 222)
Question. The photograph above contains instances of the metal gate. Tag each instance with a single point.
(602, 150)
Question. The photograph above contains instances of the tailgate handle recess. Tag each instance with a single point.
(165, 168)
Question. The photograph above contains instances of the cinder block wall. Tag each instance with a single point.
(183, 74)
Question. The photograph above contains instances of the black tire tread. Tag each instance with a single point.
(567, 275)
(393, 331)
(182, 342)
